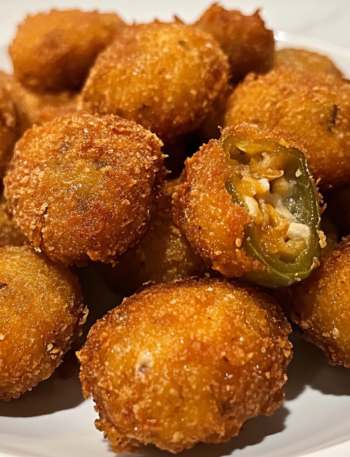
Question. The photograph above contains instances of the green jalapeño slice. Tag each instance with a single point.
(272, 182)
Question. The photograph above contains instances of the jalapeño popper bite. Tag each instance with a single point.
(180, 351)
(248, 203)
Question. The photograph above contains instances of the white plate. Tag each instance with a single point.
(54, 421)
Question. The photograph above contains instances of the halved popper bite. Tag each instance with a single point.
(272, 181)
(249, 204)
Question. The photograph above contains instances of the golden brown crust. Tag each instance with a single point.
(8, 124)
(321, 305)
(82, 187)
(163, 253)
(198, 349)
(247, 43)
(301, 59)
(55, 50)
(165, 77)
(204, 209)
(41, 313)
(313, 107)
(10, 233)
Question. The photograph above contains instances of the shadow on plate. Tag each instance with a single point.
(309, 367)
(253, 432)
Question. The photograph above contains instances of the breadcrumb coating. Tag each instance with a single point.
(8, 124)
(185, 362)
(249, 45)
(321, 305)
(204, 210)
(166, 77)
(54, 50)
(312, 107)
(301, 59)
(163, 253)
(41, 313)
(82, 187)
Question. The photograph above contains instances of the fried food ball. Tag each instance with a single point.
(185, 362)
(321, 305)
(313, 107)
(8, 124)
(163, 253)
(10, 234)
(249, 45)
(235, 210)
(301, 59)
(82, 186)
(53, 51)
(41, 313)
(166, 77)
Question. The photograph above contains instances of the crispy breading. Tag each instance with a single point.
(41, 313)
(54, 50)
(249, 45)
(9, 124)
(185, 362)
(313, 107)
(166, 77)
(321, 305)
(205, 211)
(82, 186)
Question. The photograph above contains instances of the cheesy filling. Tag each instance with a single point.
(264, 190)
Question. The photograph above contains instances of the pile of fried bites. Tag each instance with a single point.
(111, 153)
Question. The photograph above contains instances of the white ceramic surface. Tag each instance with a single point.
(54, 421)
